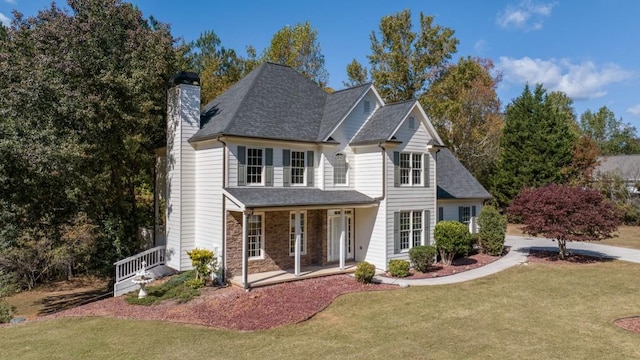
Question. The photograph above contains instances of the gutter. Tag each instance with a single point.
(383, 152)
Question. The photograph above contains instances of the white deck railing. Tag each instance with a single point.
(128, 267)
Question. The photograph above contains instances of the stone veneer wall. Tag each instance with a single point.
(276, 238)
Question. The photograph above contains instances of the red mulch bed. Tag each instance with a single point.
(234, 308)
(630, 324)
(544, 256)
(457, 266)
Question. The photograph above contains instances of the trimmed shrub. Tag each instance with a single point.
(399, 268)
(422, 257)
(493, 228)
(6, 312)
(452, 238)
(365, 272)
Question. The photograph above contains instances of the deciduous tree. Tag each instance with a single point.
(566, 213)
(465, 110)
(299, 48)
(356, 73)
(403, 61)
(613, 136)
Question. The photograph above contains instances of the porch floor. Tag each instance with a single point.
(282, 276)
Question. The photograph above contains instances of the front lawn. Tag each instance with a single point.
(537, 311)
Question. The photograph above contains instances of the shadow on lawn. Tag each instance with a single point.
(575, 256)
(55, 303)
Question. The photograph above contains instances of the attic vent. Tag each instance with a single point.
(367, 106)
(412, 123)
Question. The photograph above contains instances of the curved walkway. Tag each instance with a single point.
(520, 247)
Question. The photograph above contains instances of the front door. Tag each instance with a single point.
(334, 230)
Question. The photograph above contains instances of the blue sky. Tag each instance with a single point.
(588, 49)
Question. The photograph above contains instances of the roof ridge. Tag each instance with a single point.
(352, 87)
(400, 102)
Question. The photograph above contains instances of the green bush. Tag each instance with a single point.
(175, 288)
(365, 272)
(399, 268)
(9, 283)
(493, 227)
(452, 238)
(422, 257)
(6, 312)
(204, 262)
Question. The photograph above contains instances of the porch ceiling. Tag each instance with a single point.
(292, 196)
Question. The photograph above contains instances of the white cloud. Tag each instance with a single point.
(580, 81)
(4, 20)
(634, 110)
(10, 1)
(527, 15)
(480, 46)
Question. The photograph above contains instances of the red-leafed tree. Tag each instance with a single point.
(566, 213)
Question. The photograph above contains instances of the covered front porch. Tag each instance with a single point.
(288, 275)
(295, 234)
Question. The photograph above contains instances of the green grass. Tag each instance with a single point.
(537, 311)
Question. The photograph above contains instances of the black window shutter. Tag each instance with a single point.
(310, 168)
(396, 232)
(473, 211)
(286, 167)
(460, 213)
(427, 179)
(427, 227)
(268, 162)
(242, 160)
(440, 213)
(396, 169)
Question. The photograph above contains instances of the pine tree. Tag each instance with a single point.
(536, 145)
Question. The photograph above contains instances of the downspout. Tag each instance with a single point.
(384, 173)
(223, 254)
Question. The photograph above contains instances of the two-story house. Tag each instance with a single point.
(276, 173)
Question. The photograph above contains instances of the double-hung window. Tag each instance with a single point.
(292, 233)
(297, 167)
(410, 228)
(410, 169)
(254, 166)
(255, 236)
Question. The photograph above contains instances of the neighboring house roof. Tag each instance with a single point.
(628, 166)
(455, 181)
(384, 122)
(253, 197)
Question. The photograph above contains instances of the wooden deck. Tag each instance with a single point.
(281, 276)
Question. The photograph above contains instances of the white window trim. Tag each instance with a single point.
(262, 238)
(411, 168)
(262, 172)
(304, 233)
(411, 229)
(346, 174)
(304, 168)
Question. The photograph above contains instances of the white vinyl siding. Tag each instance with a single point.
(209, 219)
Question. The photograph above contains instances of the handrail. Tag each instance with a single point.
(128, 267)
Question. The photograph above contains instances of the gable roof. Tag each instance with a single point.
(454, 180)
(383, 123)
(626, 165)
(337, 107)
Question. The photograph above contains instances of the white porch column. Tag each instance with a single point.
(343, 235)
(296, 221)
(245, 260)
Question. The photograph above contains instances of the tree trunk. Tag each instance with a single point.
(562, 244)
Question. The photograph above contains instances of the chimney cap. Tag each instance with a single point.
(184, 77)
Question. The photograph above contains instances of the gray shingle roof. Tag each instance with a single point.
(455, 181)
(273, 102)
(383, 122)
(628, 166)
(276, 197)
(337, 105)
